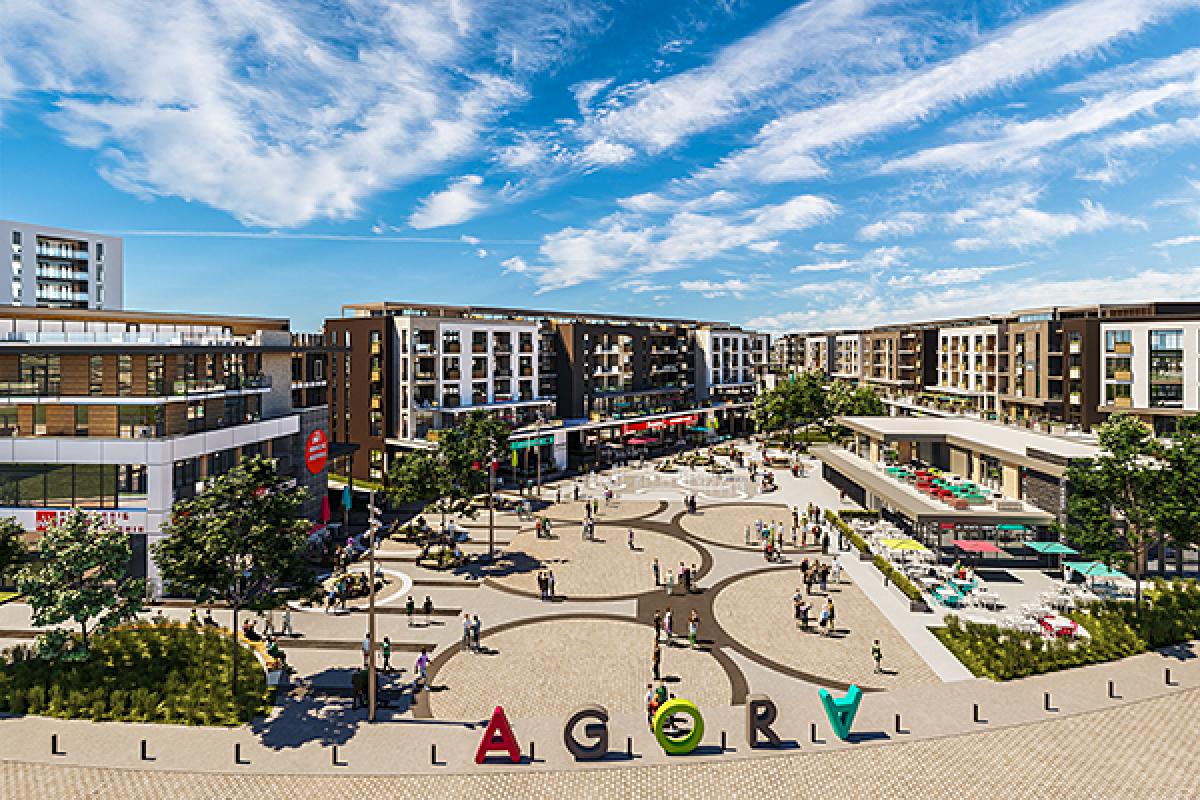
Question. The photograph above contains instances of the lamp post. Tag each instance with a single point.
(538, 452)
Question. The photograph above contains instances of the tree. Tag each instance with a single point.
(81, 576)
(1177, 510)
(447, 478)
(12, 545)
(1090, 525)
(796, 403)
(241, 539)
(844, 400)
(1128, 475)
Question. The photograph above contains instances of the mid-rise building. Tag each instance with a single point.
(730, 363)
(60, 268)
(123, 413)
(846, 357)
(969, 364)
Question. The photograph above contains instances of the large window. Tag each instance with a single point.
(88, 486)
(124, 375)
(139, 422)
(40, 375)
(95, 375)
(1166, 368)
(1118, 341)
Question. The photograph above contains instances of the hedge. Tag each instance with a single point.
(882, 564)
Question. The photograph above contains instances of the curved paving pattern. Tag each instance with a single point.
(1072, 758)
(725, 524)
(555, 666)
(756, 612)
(623, 509)
(603, 568)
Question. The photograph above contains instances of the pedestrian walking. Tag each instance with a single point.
(657, 661)
(541, 580)
(427, 607)
(550, 584)
(466, 632)
(658, 623)
(832, 617)
(366, 649)
(286, 629)
(694, 628)
(422, 670)
(877, 655)
(194, 618)
(825, 544)
(386, 650)
(824, 579)
(476, 632)
(657, 574)
(269, 623)
(410, 608)
(557, 495)
(631, 547)
(668, 619)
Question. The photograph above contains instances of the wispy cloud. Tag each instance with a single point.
(260, 108)
(734, 286)
(1179, 241)
(457, 203)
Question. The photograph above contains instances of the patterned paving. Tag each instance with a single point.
(726, 524)
(571, 511)
(605, 567)
(554, 667)
(757, 612)
(1073, 758)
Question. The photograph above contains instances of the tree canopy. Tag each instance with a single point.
(81, 576)
(446, 478)
(12, 545)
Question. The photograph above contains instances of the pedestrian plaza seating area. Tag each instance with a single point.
(932, 482)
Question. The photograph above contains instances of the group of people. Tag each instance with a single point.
(410, 609)
(826, 620)
(689, 503)
(471, 629)
(664, 630)
(770, 536)
(541, 527)
(685, 578)
(545, 580)
(348, 586)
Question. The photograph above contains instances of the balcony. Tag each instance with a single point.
(1122, 375)
(424, 375)
(502, 372)
(376, 348)
(452, 375)
(1122, 348)
(479, 374)
(424, 348)
(1122, 402)
(49, 251)
(451, 347)
(502, 347)
(1075, 348)
(526, 372)
(1076, 373)
(1076, 398)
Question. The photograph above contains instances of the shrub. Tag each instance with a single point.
(901, 580)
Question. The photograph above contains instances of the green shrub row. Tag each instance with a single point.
(1170, 616)
(882, 564)
(154, 673)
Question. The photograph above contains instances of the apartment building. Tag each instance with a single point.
(818, 352)
(969, 364)
(123, 413)
(788, 355)
(898, 361)
(1151, 364)
(730, 363)
(846, 358)
(60, 268)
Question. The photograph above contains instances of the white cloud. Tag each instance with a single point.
(481, 253)
(603, 153)
(618, 243)
(790, 147)
(825, 266)
(878, 258)
(765, 247)
(733, 286)
(515, 265)
(830, 248)
(457, 203)
(586, 91)
(948, 276)
(1027, 227)
(904, 223)
(260, 107)
(655, 203)
(1179, 241)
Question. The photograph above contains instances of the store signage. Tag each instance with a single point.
(659, 424)
(316, 451)
(537, 441)
(43, 519)
(591, 723)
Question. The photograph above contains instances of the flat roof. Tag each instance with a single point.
(994, 438)
(446, 309)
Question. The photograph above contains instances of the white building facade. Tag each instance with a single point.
(60, 268)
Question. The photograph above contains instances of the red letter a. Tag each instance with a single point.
(498, 737)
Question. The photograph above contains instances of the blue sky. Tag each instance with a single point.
(831, 163)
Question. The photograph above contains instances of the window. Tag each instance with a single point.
(195, 417)
(375, 420)
(8, 421)
(124, 375)
(155, 379)
(95, 375)
(1117, 392)
(39, 420)
(16, 241)
(1118, 341)
(40, 374)
(139, 422)
(99, 251)
(81, 420)
(1166, 368)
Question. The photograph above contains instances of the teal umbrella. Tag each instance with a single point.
(346, 497)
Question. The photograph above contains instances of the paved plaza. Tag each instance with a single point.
(542, 660)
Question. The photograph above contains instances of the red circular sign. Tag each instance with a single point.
(316, 451)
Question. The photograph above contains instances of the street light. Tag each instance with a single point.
(538, 451)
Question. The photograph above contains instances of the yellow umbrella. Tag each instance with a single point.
(903, 544)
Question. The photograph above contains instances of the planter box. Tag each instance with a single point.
(919, 607)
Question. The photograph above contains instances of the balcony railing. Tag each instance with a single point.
(451, 375)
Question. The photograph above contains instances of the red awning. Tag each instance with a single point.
(976, 546)
(641, 440)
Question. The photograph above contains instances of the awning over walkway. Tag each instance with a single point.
(976, 546)
(1052, 548)
(1094, 569)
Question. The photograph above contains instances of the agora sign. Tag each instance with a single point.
(591, 723)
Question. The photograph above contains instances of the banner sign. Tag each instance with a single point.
(537, 441)
(659, 424)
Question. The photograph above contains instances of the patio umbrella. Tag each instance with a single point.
(324, 515)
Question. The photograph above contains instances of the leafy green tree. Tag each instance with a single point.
(241, 539)
(80, 576)
(794, 404)
(844, 400)
(12, 545)
(1090, 525)
(447, 478)
(1177, 510)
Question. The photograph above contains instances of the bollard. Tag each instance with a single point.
(433, 754)
(898, 728)
(975, 714)
(812, 732)
(1046, 701)
(532, 750)
(1112, 693)
(722, 741)
(1168, 677)
(629, 746)
(237, 754)
(145, 755)
(54, 751)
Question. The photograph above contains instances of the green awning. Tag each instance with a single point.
(1052, 548)
(1094, 569)
(1014, 527)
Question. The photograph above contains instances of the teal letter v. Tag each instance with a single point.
(841, 710)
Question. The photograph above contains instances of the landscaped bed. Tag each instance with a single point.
(163, 672)
(1170, 616)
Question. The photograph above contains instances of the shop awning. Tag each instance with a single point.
(976, 546)
(641, 440)
(1010, 527)
(1094, 569)
(1052, 548)
(903, 544)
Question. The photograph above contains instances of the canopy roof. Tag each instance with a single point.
(1010, 527)
(976, 546)
(1094, 569)
(1052, 548)
(903, 544)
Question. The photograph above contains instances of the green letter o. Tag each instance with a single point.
(686, 744)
